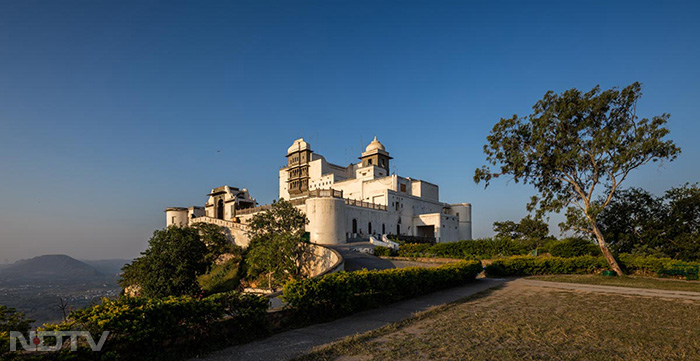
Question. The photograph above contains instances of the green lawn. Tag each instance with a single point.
(525, 322)
(625, 281)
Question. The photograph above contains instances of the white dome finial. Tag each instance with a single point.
(375, 145)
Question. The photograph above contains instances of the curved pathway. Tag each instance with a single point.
(289, 344)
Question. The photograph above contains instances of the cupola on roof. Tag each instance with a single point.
(375, 145)
(299, 144)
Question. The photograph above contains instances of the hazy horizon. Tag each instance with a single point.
(113, 111)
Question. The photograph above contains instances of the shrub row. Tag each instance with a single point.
(343, 293)
(481, 248)
(527, 266)
(140, 327)
(652, 266)
(573, 247)
(381, 251)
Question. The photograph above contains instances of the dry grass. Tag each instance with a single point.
(626, 281)
(519, 322)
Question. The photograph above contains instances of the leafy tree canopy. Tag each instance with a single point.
(175, 257)
(11, 320)
(572, 143)
(636, 221)
(527, 228)
(275, 247)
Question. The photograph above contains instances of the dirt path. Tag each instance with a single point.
(538, 320)
(649, 292)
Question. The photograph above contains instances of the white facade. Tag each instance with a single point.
(374, 202)
(341, 203)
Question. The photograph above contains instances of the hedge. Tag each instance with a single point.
(143, 327)
(574, 247)
(381, 251)
(527, 266)
(342, 293)
(481, 248)
(652, 266)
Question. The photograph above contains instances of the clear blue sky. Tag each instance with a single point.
(111, 111)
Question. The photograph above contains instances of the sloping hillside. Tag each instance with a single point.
(55, 266)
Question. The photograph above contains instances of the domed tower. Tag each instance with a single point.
(375, 154)
(298, 158)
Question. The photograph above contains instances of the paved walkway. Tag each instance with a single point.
(357, 260)
(649, 292)
(290, 344)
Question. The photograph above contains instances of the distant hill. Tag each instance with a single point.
(107, 266)
(47, 267)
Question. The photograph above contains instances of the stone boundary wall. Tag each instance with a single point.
(324, 260)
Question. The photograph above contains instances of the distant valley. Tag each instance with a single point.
(36, 286)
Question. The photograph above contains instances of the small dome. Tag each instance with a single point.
(374, 146)
(299, 144)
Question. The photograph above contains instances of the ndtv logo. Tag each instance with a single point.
(36, 340)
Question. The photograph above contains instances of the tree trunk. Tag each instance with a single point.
(606, 252)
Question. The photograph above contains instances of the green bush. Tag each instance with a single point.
(527, 266)
(481, 248)
(414, 249)
(380, 251)
(11, 320)
(652, 266)
(222, 278)
(574, 247)
(648, 266)
(342, 293)
(143, 327)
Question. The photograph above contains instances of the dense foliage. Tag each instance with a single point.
(342, 293)
(216, 240)
(222, 277)
(11, 320)
(175, 258)
(531, 232)
(573, 247)
(380, 251)
(275, 251)
(638, 222)
(469, 249)
(527, 266)
(142, 328)
(572, 143)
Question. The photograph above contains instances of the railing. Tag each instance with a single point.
(318, 193)
(219, 222)
(358, 203)
(240, 212)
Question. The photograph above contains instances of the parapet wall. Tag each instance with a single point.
(322, 260)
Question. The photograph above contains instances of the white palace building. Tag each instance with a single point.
(341, 203)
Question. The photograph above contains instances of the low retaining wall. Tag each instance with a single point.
(323, 260)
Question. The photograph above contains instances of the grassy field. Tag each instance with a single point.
(524, 322)
(626, 281)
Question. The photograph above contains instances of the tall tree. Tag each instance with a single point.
(572, 143)
(527, 228)
(633, 217)
(276, 248)
(175, 257)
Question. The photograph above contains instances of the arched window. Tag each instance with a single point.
(369, 227)
(354, 225)
(383, 228)
(398, 229)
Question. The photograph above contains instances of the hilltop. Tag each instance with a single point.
(54, 266)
